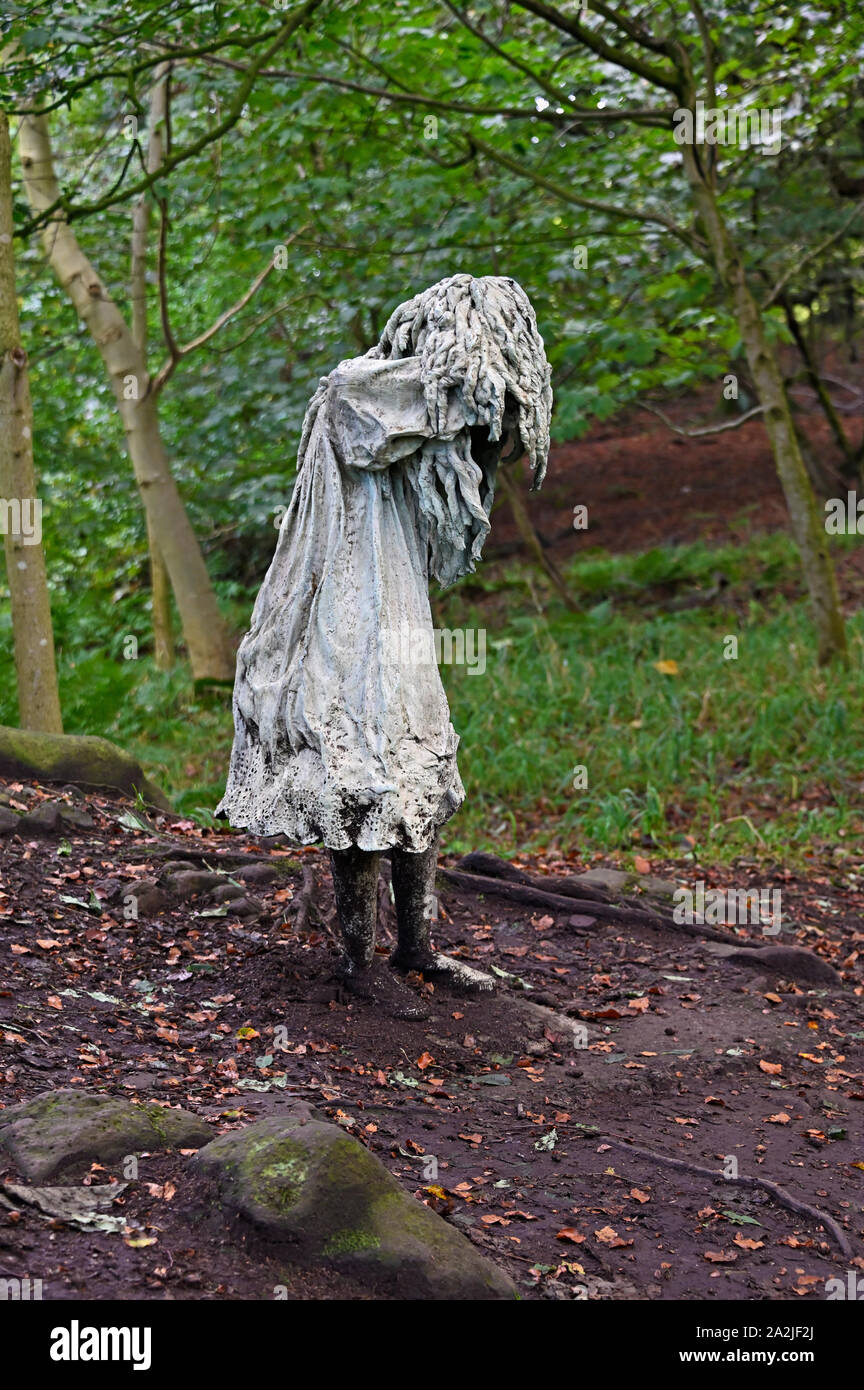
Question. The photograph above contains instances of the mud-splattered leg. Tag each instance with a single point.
(355, 884)
(414, 893)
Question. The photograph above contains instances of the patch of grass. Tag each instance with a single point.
(756, 755)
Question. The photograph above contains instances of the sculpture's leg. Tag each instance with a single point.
(355, 884)
(414, 893)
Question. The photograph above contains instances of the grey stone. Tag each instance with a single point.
(44, 819)
(148, 896)
(75, 818)
(793, 962)
(226, 891)
(65, 1130)
(245, 907)
(257, 873)
(308, 1184)
(190, 882)
(9, 821)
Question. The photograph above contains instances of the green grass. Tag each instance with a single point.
(761, 756)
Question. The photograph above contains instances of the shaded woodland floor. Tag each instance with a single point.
(686, 1055)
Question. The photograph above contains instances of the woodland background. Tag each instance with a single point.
(309, 167)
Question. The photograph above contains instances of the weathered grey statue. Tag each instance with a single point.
(342, 735)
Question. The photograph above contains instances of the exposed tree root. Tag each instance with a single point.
(745, 1180)
(598, 904)
(303, 900)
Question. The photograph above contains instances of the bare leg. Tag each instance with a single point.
(414, 892)
(355, 884)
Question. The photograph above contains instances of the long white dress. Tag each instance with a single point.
(340, 736)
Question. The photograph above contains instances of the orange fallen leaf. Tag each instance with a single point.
(745, 1243)
(781, 1118)
(721, 1257)
(424, 1060)
(772, 1068)
(642, 866)
(639, 1196)
(606, 1234)
(571, 1234)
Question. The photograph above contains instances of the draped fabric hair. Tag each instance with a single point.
(477, 343)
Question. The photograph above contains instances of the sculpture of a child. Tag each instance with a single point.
(343, 736)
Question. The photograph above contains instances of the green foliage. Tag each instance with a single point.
(374, 198)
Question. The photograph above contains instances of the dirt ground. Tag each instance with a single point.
(488, 1111)
(645, 485)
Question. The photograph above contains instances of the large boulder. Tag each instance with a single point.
(80, 759)
(308, 1184)
(67, 1130)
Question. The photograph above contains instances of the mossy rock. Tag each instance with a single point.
(63, 1131)
(308, 1184)
(80, 759)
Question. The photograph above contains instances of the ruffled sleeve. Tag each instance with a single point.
(377, 412)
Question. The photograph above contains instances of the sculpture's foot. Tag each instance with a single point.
(444, 970)
(376, 985)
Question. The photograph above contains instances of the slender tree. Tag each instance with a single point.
(35, 665)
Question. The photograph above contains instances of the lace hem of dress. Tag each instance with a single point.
(296, 801)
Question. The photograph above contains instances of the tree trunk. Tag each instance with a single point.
(852, 457)
(35, 665)
(807, 524)
(204, 629)
(160, 584)
(528, 532)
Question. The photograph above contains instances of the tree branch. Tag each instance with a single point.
(810, 256)
(592, 204)
(644, 116)
(658, 77)
(231, 118)
(178, 353)
(709, 429)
